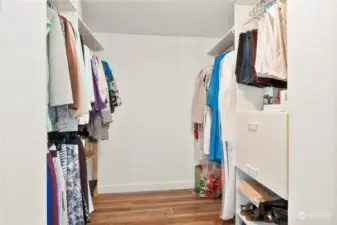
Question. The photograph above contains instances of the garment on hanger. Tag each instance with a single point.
(276, 61)
(213, 103)
(199, 97)
(66, 143)
(240, 55)
(99, 103)
(227, 98)
(207, 118)
(58, 65)
(253, 47)
(61, 120)
(84, 179)
(227, 109)
(83, 89)
(115, 99)
(62, 191)
(49, 27)
(102, 83)
(71, 58)
(54, 213)
(88, 55)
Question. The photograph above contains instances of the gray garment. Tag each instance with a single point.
(59, 79)
(61, 119)
(99, 124)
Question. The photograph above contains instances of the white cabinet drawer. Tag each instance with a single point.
(262, 148)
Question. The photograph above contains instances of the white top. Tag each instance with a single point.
(59, 80)
(275, 59)
(207, 126)
(88, 55)
(227, 98)
(102, 83)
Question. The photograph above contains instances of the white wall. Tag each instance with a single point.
(312, 34)
(23, 112)
(151, 145)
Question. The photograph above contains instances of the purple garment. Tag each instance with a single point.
(99, 104)
(54, 217)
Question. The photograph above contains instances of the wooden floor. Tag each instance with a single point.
(156, 208)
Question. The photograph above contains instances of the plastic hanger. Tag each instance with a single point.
(266, 6)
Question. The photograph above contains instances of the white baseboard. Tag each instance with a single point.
(141, 187)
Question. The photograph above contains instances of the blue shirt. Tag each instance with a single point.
(215, 147)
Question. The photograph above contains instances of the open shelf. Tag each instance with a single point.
(226, 42)
(88, 37)
(63, 5)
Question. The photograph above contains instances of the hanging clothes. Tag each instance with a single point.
(212, 102)
(66, 143)
(207, 118)
(49, 27)
(84, 179)
(227, 99)
(62, 191)
(88, 55)
(48, 197)
(115, 99)
(275, 61)
(54, 213)
(199, 97)
(99, 103)
(227, 109)
(71, 59)
(58, 65)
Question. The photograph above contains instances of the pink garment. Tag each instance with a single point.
(199, 98)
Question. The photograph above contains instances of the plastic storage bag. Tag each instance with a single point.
(208, 181)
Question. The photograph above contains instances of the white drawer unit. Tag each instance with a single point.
(262, 148)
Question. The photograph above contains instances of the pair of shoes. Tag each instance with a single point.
(250, 211)
(276, 211)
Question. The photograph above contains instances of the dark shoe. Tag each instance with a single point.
(279, 216)
(93, 186)
(265, 207)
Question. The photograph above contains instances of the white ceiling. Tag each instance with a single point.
(196, 18)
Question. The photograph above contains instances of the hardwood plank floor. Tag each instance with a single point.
(156, 208)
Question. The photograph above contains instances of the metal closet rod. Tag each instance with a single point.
(259, 8)
(51, 5)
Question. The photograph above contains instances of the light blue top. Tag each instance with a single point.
(215, 147)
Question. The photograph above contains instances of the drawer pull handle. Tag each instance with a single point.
(252, 168)
(252, 127)
(253, 172)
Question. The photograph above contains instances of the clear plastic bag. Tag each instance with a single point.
(208, 180)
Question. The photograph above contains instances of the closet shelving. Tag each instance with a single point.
(63, 5)
(225, 43)
(260, 133)
(88, 37)
(261, 152)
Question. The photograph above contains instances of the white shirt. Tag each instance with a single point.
(227, 98)
(59, 79)
(275, 59)
(88, 55)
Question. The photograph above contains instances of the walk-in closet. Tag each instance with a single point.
(177, 112)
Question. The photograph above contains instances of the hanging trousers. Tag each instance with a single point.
(67, 146)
